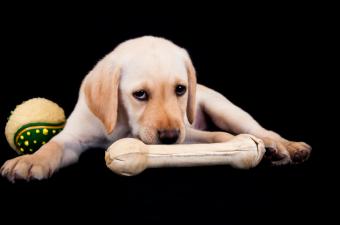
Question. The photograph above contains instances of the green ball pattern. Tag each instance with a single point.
(30, 137)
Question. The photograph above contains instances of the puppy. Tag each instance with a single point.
(146, 88)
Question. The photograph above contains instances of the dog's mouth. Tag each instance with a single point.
(148, 140)
(156, 141)
(160, 136)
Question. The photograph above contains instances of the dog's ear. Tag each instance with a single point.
(191, 109)
(101, 93)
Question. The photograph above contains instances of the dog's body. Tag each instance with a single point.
(146, 88)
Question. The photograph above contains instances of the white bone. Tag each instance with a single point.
(130, 156)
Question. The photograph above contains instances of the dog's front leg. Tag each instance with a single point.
(58, 152)
(229, 117)
(81, 132)
(199, 136)
(39, 165)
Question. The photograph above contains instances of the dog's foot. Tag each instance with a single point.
(285, 152)
(276, 152)
(39, 165)
(26, 167)
(298, 151)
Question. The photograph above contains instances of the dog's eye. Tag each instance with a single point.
(180, 90)
(140, 95)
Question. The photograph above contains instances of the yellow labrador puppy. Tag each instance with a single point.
(146, 88)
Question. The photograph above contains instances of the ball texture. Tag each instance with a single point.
(33, 123)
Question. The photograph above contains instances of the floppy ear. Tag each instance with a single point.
(191, 90)
(101, 93)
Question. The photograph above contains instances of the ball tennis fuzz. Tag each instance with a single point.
(33, 123)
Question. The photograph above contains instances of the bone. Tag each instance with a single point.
(131, 156)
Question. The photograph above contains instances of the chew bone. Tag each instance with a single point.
(130, 156)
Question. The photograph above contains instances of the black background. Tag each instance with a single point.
(266, 61)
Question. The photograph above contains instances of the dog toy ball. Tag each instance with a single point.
(32, 124)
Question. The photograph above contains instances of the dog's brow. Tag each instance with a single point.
(181, 81)
(141, 86)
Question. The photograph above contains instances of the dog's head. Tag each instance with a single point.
(153, 80)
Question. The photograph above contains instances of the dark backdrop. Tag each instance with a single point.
(265, 62)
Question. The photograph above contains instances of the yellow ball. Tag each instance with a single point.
(33, 123)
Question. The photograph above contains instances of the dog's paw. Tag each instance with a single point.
(26, 167)
(298, 151)
(276, 152)
(285, 152)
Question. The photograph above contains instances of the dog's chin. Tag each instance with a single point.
(151, 138)
(155, 141)
(148, 140)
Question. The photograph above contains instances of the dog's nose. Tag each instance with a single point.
(169, 136)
